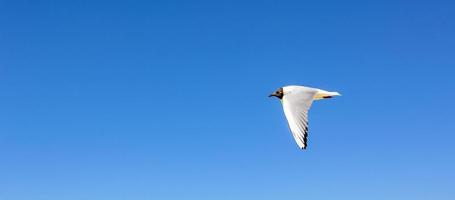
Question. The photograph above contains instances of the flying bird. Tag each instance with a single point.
(296, 102)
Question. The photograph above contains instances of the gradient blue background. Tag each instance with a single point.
(168, 100)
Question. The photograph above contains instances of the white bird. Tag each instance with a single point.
(296, 102)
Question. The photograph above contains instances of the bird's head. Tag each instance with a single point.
(279, 94)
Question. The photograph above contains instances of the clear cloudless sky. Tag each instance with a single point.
(122, 100)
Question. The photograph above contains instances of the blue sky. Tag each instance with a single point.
(168, 100)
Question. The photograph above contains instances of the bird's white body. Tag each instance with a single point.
(296, 102)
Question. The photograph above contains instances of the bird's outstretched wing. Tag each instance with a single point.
(296, 106)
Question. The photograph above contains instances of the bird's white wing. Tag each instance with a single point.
(296, 106)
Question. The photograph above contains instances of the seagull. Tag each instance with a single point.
(296, 102)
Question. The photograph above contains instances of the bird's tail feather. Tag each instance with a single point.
(322, 94)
